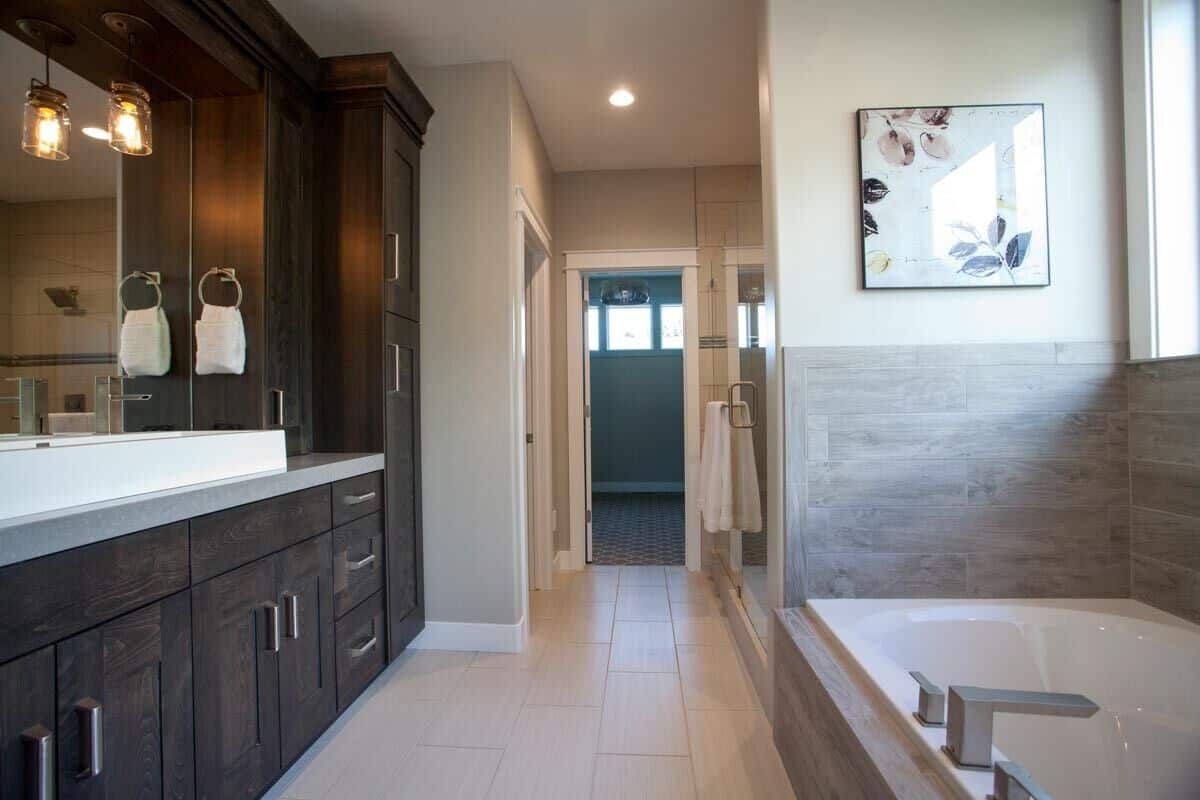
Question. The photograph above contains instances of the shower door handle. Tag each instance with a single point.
(751, 408)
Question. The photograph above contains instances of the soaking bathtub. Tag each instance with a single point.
(1140, 665)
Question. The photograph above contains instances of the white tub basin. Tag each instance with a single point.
(49, 473)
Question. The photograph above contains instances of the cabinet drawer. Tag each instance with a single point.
(358, 562)
(360, 648)
(356, 497)
(59, 595)
(237, 536)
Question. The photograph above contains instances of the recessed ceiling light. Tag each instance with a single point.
(96, 133)
(621, 97)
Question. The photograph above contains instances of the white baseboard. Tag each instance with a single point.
(480, 636)
(638, 486)
(562, 561)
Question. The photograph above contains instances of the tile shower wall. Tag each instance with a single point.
(957, 471)
(1164, 443)
(61, 243)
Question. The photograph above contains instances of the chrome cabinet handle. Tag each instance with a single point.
(38, 744)
(91, 738)
(278, 395)
(357, 499)
(364, 648)
(365, 561)
(272, 616)
(291, 608)
(395, 237)
(395, 348)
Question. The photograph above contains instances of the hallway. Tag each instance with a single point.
(629, 688)
(637, 528)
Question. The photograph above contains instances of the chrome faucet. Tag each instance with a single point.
(931, 702)
(1012, 782)
(104, 399)
(969, 726)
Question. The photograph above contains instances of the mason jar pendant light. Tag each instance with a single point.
(46, 130)
(128, 101)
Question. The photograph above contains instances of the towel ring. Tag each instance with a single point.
(751, 410)
(152, 278)
(227, 274)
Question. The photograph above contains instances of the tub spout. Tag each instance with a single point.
(1014, 783)
(969, 727)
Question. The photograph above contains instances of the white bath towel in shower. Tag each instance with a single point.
(145, 342)
(729, 497)
(220, 341)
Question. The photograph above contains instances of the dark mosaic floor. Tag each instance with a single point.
(639, 528)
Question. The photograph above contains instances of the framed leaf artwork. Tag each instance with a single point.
(953, 197)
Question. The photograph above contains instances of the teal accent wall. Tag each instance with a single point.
(637, 410)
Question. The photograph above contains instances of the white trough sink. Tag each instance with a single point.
(50, 473)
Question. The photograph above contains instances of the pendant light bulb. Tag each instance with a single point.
(46, 131)
(129, 114)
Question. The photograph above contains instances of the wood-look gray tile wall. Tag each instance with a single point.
(1164, 445)
(980, 470)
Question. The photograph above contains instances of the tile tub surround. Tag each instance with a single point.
(975, 470)
(835, 734)
(1164, 444)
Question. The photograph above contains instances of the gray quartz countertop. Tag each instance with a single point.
(22, 538)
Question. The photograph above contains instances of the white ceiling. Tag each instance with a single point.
(91, 171)
(691, 64)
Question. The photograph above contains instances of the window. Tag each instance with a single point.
(593, 328)
(630, 327)
(751, 320)
(671, 327)
(1162, 73)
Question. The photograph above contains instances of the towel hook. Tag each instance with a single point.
(751, 410)
(153, 278)
(227, 274)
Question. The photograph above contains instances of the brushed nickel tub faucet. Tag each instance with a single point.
(969, 727)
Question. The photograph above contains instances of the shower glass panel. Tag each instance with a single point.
(748, 362)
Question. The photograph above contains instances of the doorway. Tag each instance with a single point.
(635, 393)
(625, 510)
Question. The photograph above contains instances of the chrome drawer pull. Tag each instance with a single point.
(91, 738)
(291, 608)
(39, 762)
(364, 648)
(272, 610)
(357, 499)
(366, 561)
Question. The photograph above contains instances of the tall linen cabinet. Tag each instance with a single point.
(366, 358)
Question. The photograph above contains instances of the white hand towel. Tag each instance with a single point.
(145, 342)
(714, 466)
(220, 341)
(729, 498)
(746, 506)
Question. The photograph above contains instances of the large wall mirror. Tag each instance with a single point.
(80, 224)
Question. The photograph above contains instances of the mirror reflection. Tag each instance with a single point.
(58, 251)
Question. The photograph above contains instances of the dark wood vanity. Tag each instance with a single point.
(200, 658)
(207, 653)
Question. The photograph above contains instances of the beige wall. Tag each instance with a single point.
(825, 60)
(481, 144)
(706, 207)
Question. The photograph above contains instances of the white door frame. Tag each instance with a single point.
(531, 232)
(577, 264)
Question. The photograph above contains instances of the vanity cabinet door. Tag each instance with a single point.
(27, 727)
(401, 190)
(125, 707)
(307, 687)
(237, 630)
(288, 290)
(405, 598)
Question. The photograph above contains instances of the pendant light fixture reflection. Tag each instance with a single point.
(128, 101)
(46, 129)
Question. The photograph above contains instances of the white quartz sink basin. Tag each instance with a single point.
(49, 473)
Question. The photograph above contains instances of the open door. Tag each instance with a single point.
(587, 423)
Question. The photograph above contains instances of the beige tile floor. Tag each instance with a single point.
(630, 687)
